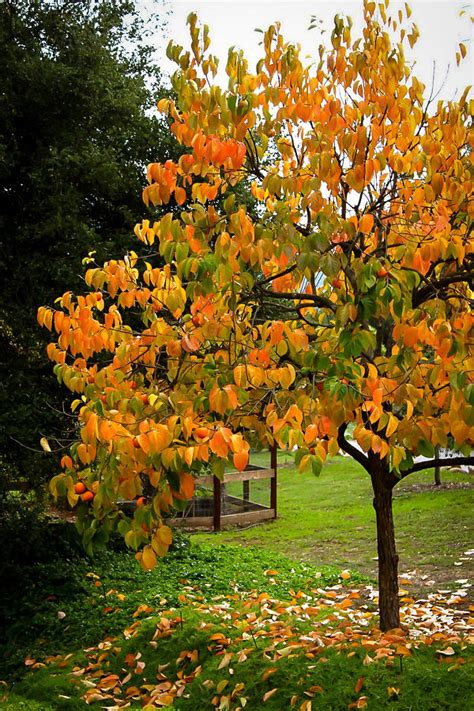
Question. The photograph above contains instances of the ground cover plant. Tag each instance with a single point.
(35, 595)
(318, 645)
(290, 631)
(194, 650)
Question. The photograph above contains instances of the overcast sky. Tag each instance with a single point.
(234, 23)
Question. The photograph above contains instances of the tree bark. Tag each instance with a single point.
(387, 552)
(437, 476)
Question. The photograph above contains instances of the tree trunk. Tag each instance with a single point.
(387, 553)
(437, 475)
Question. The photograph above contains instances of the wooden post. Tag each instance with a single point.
(217, 503)
(246, 490)
(273, 480)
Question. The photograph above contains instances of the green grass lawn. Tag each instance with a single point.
(330, 519)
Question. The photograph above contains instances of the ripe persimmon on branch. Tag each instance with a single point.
(344, 296)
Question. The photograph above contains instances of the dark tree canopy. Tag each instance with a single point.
(76, 130)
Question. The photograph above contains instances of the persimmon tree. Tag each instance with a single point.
(344, 299)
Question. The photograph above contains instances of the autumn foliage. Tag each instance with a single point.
(343, 297)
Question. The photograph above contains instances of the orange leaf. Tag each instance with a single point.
(241, 459)
(186, 485)
(366, 223)
(359, 684)
(437, 182)
(410, 336)
(190, 344)
(402, 651)
(144, 442)
(218, 445)
(180, 195)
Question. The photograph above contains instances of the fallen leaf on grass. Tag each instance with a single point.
(316, 689)
(402, 651)
(225, 661)
(448, 652)
(269, 694)
(132, 691)
(221, 685)
(359, 684)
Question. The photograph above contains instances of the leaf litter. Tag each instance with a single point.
(245, 624)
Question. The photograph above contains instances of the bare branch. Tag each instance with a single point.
(438, 462)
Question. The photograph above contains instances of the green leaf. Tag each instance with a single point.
(426, 449)
(218, 468)
(316, 465)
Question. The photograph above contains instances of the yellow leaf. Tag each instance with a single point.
(392, 425)
(240, 376)
(45, 444)
(164, 534)
(160, 438)
(163, 105)
(148, 558)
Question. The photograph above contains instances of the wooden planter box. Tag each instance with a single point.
(221, 510)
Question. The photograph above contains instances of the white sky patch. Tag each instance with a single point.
(441, 26)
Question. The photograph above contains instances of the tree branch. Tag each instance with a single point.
(433, 289)
(276, 276)
(438, 462)
(320, 301)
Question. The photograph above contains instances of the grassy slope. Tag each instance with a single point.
(331, 520)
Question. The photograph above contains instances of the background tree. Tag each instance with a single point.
(363, 225)
(78, 84)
